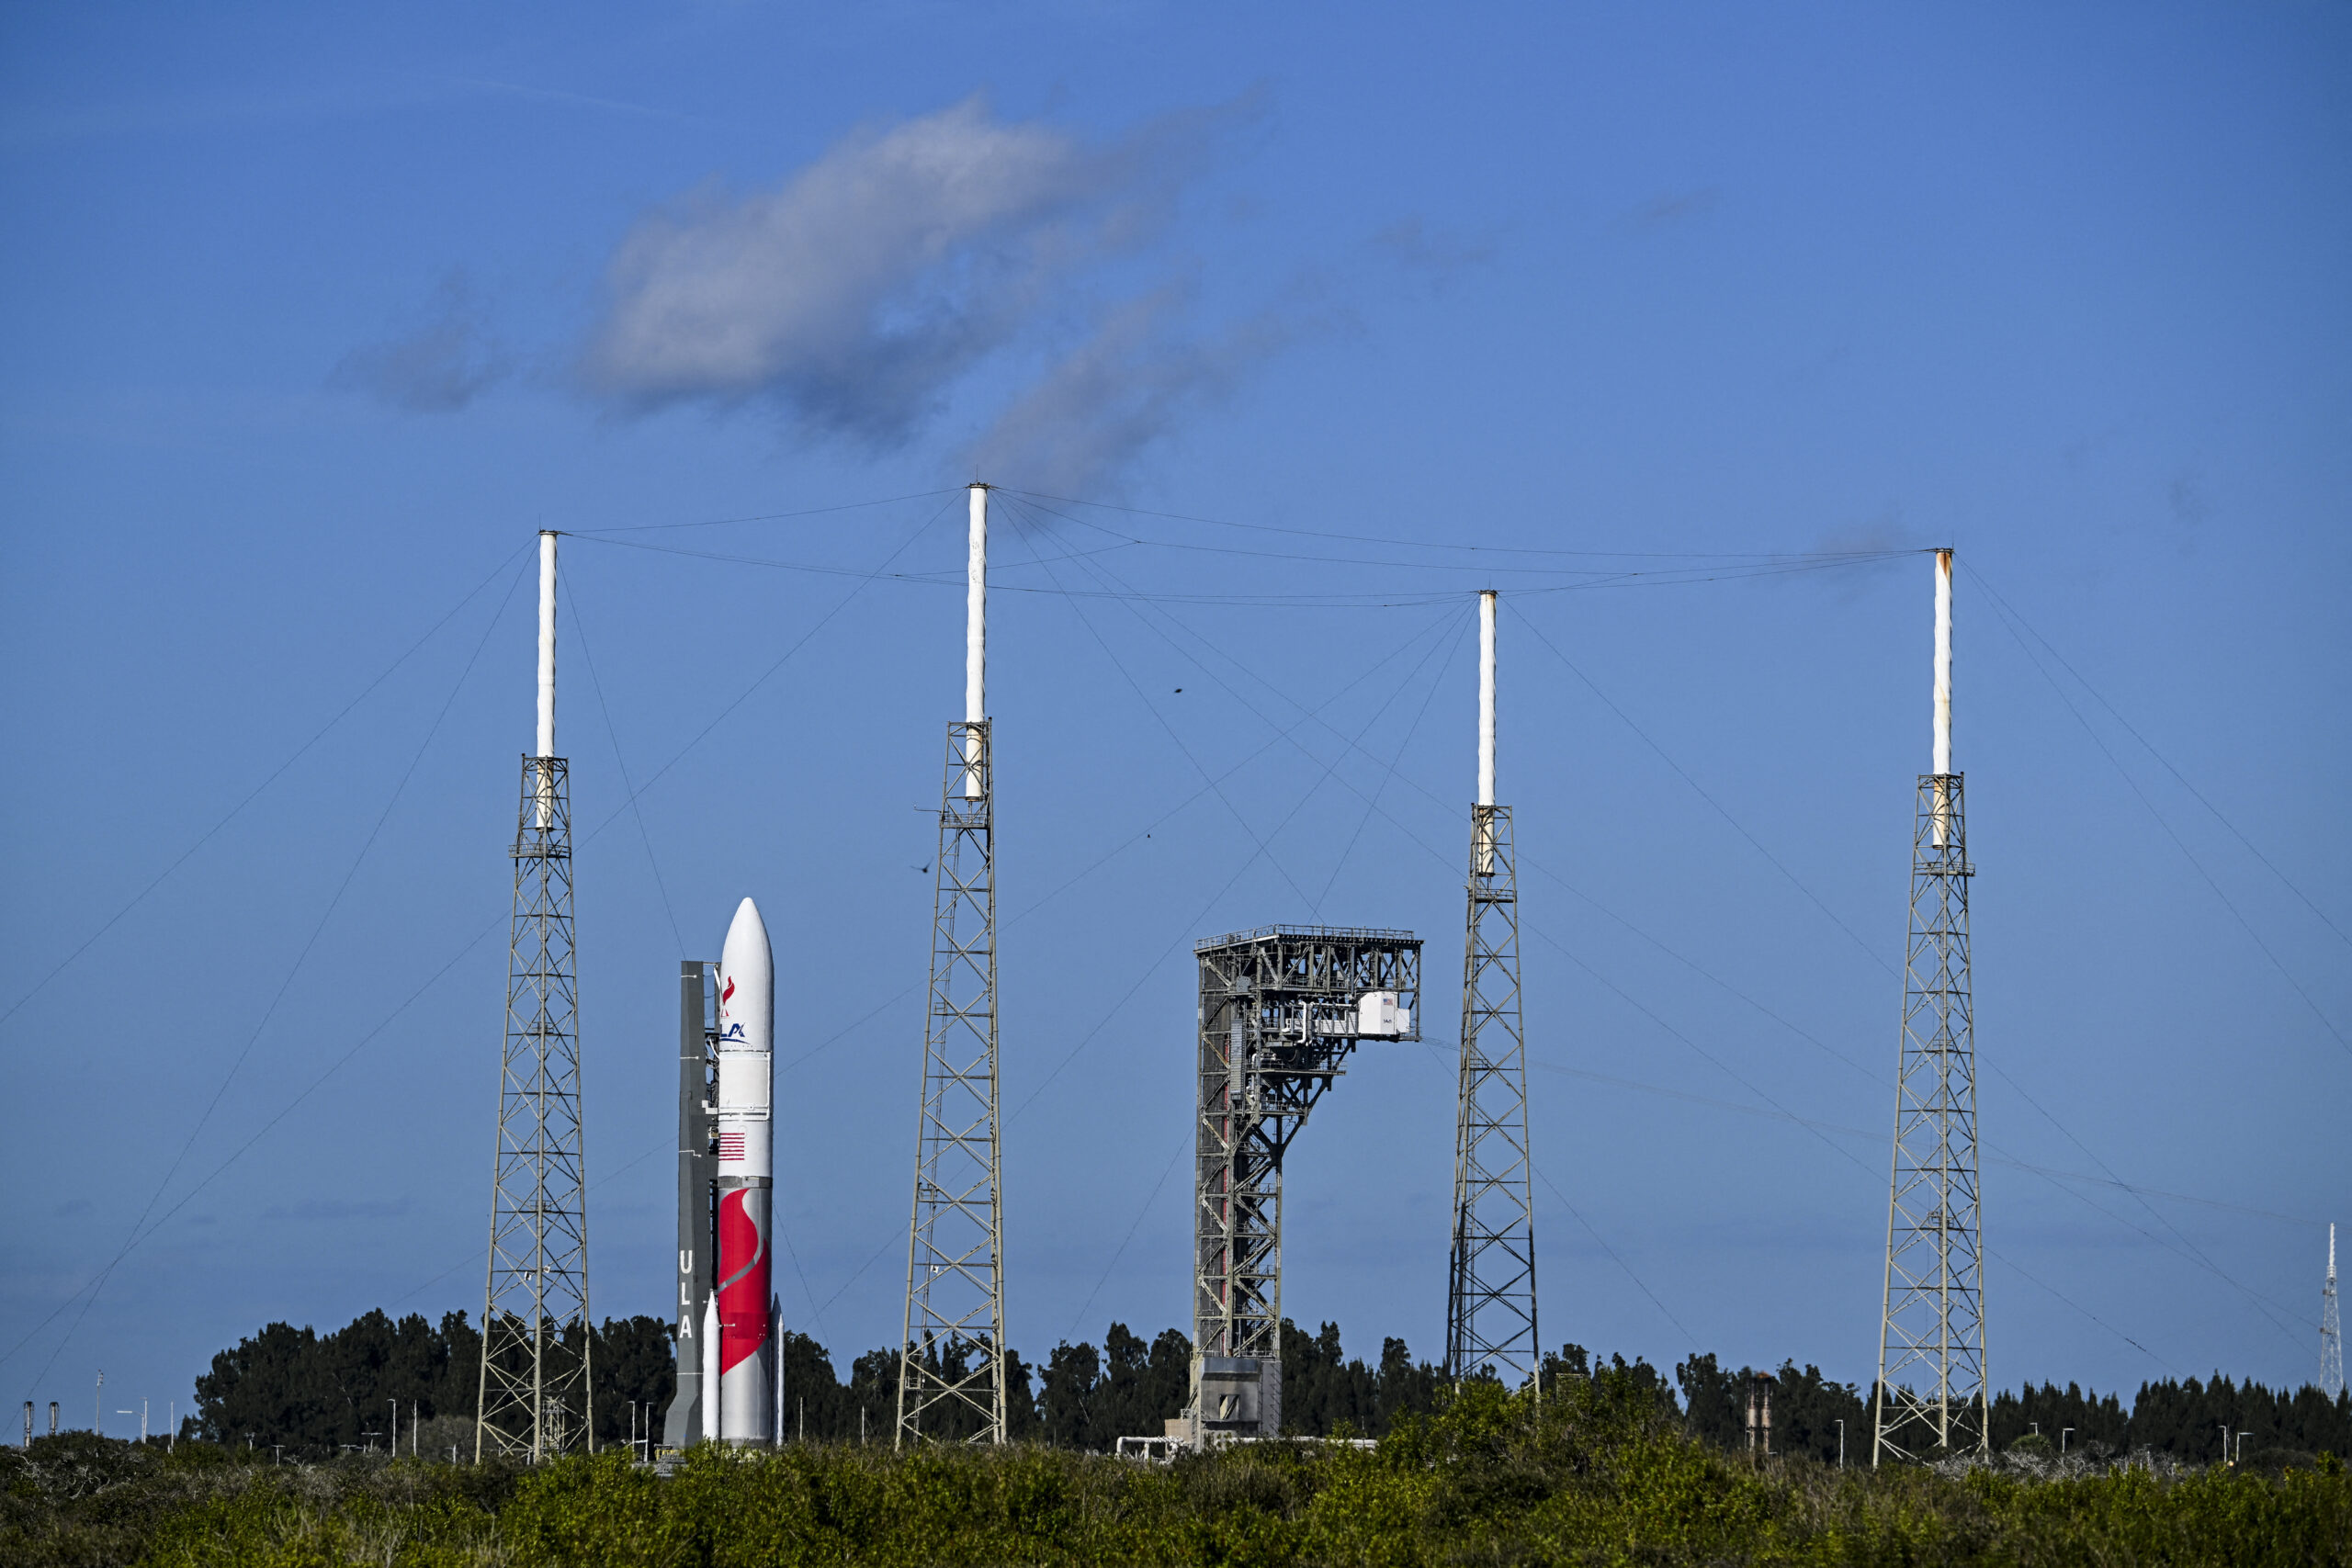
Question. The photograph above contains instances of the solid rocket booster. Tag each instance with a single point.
(747, 1345)
(710, 1369)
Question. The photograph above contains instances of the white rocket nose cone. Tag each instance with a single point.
(747, 984)
(745, 935)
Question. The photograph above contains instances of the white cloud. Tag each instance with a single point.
(858, 295)
(1126, 385)
(869, 281)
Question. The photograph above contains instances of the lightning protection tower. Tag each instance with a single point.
(1282, 1008)
(533, 1400)
(2331, 1329)
(951, 1368)
(1490, 1295)
(1932, 1395)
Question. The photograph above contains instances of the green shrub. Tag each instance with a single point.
(1598, 1474)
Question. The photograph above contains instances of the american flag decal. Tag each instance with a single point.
(730, 1146)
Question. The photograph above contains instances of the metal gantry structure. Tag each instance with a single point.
(2331, 1328)
(1490, 1329)
(533, 1399)
(1280, 1008)
(951, 1369)
(1932, 1396)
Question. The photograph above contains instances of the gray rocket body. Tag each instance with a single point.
(698, 1256)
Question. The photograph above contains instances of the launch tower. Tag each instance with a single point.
(1490, 1294)
(1932, 1396)
(951, 1370)
(533, 1398)
(1282, 1008)
(2331, 1329)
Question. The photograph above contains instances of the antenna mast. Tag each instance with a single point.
(951, 1368)
(2331, 1330)
(1932, 1397)
(1490, 1288)
(533, 1398)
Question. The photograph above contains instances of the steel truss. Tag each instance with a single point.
(534, 1396)
(1278, 1016)
(951, 1368)
(1932, 1397)
(1490, 1294)
(2331, 1329)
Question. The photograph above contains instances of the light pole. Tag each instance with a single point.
(1841, 1442)
(2241, 1453)
(2064, 1432)
(97, 1402)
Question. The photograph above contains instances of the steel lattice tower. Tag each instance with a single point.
(1282, 1008)
(1933, 1395)
(2331, 1328)
(534, 1395)
(950, 1368)
(1490, 1289)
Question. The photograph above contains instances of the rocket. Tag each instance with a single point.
(746, 1339)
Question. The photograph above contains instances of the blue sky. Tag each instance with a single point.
(313, 318)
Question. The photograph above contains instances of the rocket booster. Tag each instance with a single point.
(747, 1340)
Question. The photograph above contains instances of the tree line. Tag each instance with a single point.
(315, 1395)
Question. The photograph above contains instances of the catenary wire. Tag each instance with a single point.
(2162, 821)
(1424, 845)
(138, 1236)
(2193, 1256)
(761, 678)
(1421, 544)
(1746, 1109)
(2131, 729)
(1156, 1188)
(1391, 818)
(90, 1296)
(1153, 708)
(644, 834)
(1724, 567)
(1664, 1311)
(768, 516)
(1717, 806)
(1435, 626)
(255, 793)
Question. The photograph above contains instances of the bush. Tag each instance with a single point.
(1598, 1472)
